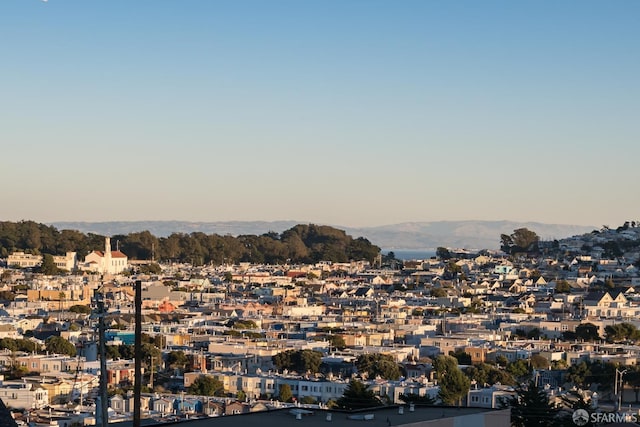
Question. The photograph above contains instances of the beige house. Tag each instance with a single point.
(22, 260)
(603, 304)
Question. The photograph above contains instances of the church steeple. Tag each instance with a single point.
(107, 255)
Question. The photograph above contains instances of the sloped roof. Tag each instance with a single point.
(594, 296)
(117, 254)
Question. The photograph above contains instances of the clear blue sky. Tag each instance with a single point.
(342, 112)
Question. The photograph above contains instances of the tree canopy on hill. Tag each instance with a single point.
(304, 243)
(521, 240)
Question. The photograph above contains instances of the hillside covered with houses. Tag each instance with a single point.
(236, 336)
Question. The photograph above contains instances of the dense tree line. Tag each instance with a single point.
(304, 243)
(32, 237)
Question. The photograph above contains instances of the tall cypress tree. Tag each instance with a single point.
(531, 408)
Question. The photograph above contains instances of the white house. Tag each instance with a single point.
(22, 260)
(67, 262)
(491, 397)
(107, 262)
(23, 395)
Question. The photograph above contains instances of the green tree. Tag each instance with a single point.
(300, 361)
(531, 408)
(48, 266)
(578, 373)
(337, 341)
(113, 352)
(539, 362)
(177, 359)
(484, 373)
(438, 292)
(8, 344)
(519, 369)
(377, 364)
(358, 396)
(81, 309)
(207, 385)
(420, 400)
(152, 268)
(454, 384)
(587, 375)
(27, 346)
(587, 332)
(522, 240)
(443, 253)
(621, 332)
(6, 276)
(362, 249)
(501, 360)
(244, 324)
(14, 370)
(461, 356)
(562, 287)
(285, 394)
(59, 345)
(148, 351)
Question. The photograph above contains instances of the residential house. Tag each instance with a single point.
(492, 397)
(23, 395)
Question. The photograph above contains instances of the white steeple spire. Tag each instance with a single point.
(107, 255)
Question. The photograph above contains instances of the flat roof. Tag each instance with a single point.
(387, 416)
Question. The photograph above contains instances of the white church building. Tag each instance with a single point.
(107, 262)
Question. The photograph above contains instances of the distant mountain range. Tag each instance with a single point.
(408, 235)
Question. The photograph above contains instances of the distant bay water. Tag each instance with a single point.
(410, 254)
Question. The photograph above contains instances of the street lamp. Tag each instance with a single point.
(619, 389)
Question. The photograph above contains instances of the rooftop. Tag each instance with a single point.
(388, 416)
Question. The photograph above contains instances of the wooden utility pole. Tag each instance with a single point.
(100, 312)
(137, 351)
